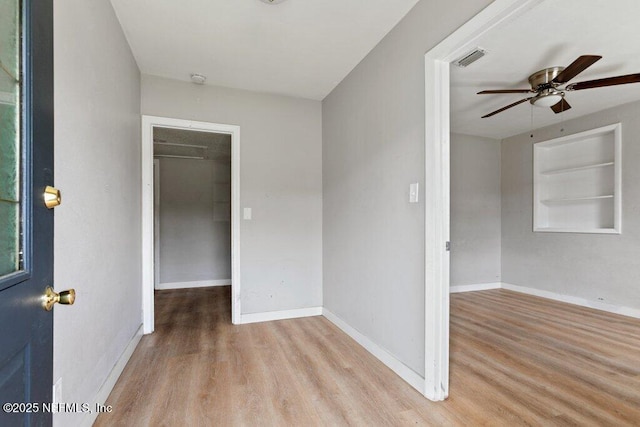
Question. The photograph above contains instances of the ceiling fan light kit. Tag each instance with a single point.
(546, 85)
(547, 98)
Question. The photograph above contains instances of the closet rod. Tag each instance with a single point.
(173, 144)
(178, 157)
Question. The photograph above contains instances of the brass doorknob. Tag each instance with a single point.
(51, 297)
(52, 197)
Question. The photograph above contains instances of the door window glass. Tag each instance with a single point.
(10, 241)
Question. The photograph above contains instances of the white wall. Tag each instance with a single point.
(281, 180)
(475, 210)
(97, 167)
(373, 148)
(195, 241)
(602, 268)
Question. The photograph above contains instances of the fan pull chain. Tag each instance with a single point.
(531, 121)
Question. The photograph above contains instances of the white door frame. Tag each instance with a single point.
(148, 123)
(156, 223)
(437, 191)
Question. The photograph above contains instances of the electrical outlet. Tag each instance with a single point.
(57, 391)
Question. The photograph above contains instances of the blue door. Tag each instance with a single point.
(26, 224)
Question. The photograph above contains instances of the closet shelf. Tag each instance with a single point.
(576, 199)
(577, 230)
(576, 169)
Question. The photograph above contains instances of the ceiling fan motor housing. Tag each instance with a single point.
(543, 79)
(542, 82)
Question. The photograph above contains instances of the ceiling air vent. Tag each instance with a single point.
(470, 57)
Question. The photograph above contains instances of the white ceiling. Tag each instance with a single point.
(301, 48)
(552, 34)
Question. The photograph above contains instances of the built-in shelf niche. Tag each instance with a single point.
(577, 182)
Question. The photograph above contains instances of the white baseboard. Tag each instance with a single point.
(193, 284)
(280, 315)
(112, 378)
(403, 371)
(583, 302)
(474, 287)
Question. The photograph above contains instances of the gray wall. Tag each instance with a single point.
(373, 148)
(281, 180)
(97, 167)
(592, 266)
(475, 210)
(195, 241)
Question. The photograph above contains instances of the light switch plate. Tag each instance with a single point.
(413, 193)
(247, 213)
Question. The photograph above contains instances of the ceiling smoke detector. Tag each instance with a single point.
(272, 1)
(198, 79)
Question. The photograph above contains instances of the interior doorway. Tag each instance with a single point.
(437, 185)
(191, 195)
(192, 208)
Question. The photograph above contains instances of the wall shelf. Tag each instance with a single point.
(568, 171)
(579, 168)
(577, 199)
(578, 230)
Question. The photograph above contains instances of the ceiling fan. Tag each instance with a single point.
(545, 84)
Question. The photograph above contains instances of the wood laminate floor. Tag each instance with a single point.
(515, 360)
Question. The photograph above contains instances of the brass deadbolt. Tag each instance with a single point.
(51, 297)
(52, 197)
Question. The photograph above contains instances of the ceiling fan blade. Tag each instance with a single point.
(488, 92)
(507, 107)
(576, 67)
(609, 81)
(561, 106)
